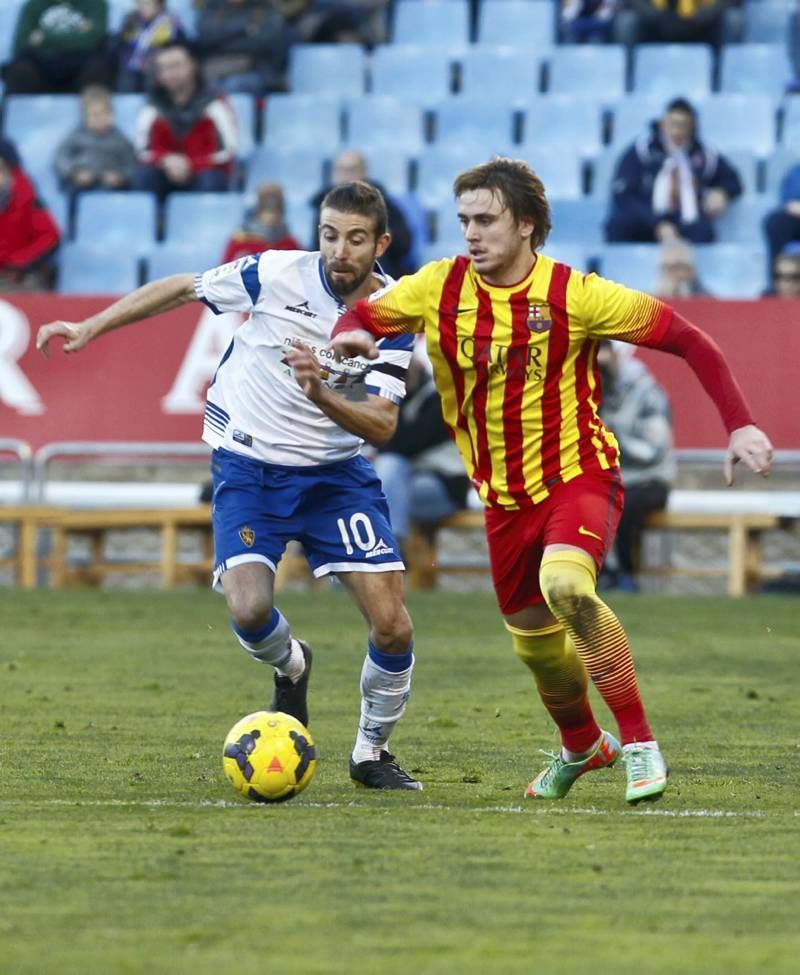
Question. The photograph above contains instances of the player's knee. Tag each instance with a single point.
(568, 589)
(249, 611)
(392, 632)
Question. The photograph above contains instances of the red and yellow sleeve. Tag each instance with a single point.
(612, 311)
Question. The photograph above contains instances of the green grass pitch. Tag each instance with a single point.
(124, 850)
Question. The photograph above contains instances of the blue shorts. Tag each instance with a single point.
(336, 511)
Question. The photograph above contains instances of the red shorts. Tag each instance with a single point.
(584, 512)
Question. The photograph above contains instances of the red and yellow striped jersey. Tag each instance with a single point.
(516, 366)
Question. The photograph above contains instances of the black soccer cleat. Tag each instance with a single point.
(383, 773)
(291, 698)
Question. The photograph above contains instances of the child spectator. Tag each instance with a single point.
(264, 227)
(144, 30)
(96, 155)
(28, 234)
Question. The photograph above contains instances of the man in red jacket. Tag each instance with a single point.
(28, 234)
(185, 135)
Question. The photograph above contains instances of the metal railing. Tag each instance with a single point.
(23, 455)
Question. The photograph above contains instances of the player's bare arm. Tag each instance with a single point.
(151, 299)
(373, 419)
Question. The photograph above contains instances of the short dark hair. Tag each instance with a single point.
(359, 197)
(682, 104)
(520, 188)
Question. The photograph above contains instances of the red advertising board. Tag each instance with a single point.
(147, 381)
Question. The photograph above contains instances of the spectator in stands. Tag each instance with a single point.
(96, 155)
(670, 184)
(678, 272)
(786, 272)
(350, 165)
(185, 135)
(143, 31)
(587, 21)
(29, 236)
(420, 468)
(244, 45)
(59, 45)
(8, 151)
(635, 408)
(782, 226)
(680, 22)
(264, 227)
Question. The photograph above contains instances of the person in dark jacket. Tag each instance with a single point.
(350, 165)
(670, 184)
(143, 31)
(186, 135)
(28, 234)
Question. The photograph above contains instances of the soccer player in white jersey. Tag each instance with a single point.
(286, 423)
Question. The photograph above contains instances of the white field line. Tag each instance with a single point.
(527, 810)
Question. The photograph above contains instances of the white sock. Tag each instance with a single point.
(641, 744)
(295, 664)
(384, 694)
(569, 756)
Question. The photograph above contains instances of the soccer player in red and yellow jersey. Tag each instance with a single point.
(513, 336)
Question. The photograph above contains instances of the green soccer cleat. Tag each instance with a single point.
(647, 774)
(555, 780)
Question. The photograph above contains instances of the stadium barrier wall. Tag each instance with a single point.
(147, 382)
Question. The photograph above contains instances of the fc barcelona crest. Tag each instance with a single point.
(247, 535)
(539, 318)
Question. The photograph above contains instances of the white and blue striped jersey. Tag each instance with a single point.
(255, 407)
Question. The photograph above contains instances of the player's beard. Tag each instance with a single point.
(344, 288)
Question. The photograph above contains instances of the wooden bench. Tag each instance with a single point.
(25, 520)
(744, 569)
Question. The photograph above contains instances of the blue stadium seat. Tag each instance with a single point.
(741, 223)
(243, 105)
(207, 218)
(754, 68)
(126, 111)
(92, 270)
(435, 250)
(581, 258)
(417, 74)
(635, 265)
(577, 221)
(461, 119)
(434, 23)
(790, 134)
(117, 221)
(440, 163)
(746, 164)
(523, 23)
(732, 270)
(593, 71)
(377, 120)
(417, 220)
(298, 169)
(184, 256)
(566, 121)
(446, 228)
(303, 120)
(603, 168)
(560, 172)
(738, 121)
(632, 116)
(766, 21)
(300, 221)
(9, 11)
(390, 169)
(673, 69)
(37, 114)
(320, 67)
(777, 166)
(508, 74)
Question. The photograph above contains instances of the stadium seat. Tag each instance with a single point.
(741, 223)
(9, 11)
(746, 164)
(378, 120)
(754, 68)
(790, 129)
(390, 169)
(298, 169)
(303, 120)
(525, 24)
(776, 168)
(766, 21)
(573, 255)
(435, 250)
(184, 256)
(38, 114)
(564, 121)
(632, 116)
(738, 121)
(91, 270)
(440, 163)
(732, 270)
(300, 218)
(116, 221)
(417, 74)
(442, 24)
(670, 70)
(126, 112)
(577, 221)
(508, 74)
(244, 108)
(561, 173)
(460, 119)
(592, 71)
(446, 228)
(320, 67)
(602, 169)
(635, 265)
(207, 218)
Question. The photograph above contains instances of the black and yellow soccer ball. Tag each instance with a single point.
(269, 756)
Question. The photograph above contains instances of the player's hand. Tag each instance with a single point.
(350, 344)
(75, 335)
(752, 446)
(306, 368)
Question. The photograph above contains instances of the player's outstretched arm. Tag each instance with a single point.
(151, 299)
(752, 447)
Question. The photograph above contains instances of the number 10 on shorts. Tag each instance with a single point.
(360, 531)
